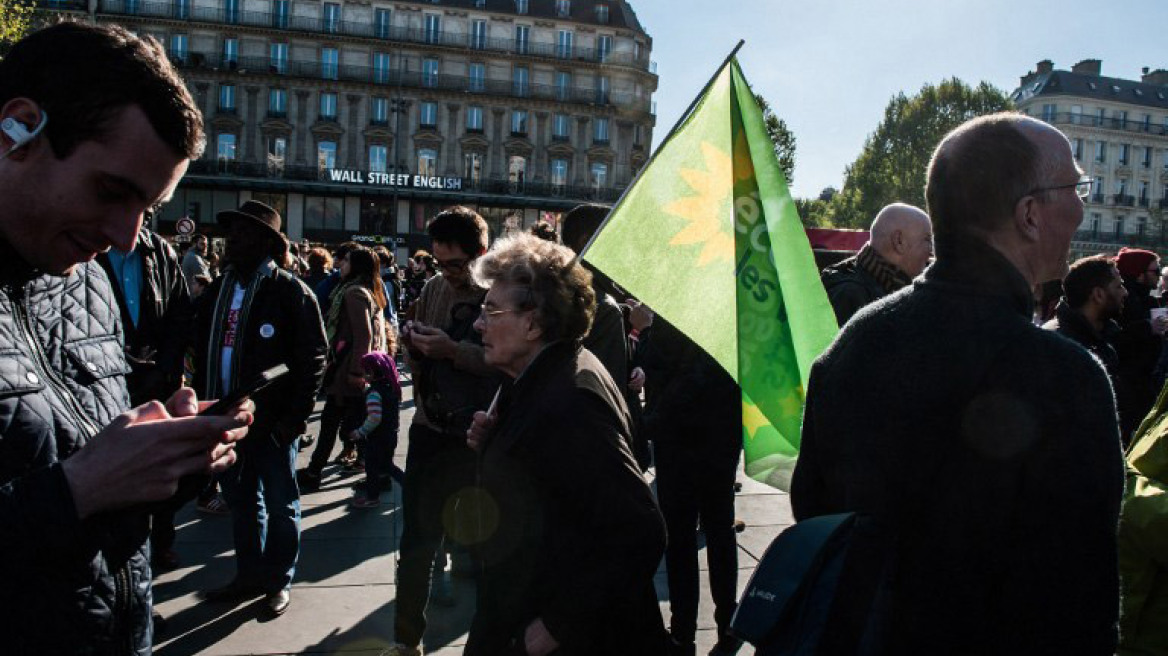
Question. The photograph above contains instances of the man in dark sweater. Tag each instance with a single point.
(984, 449)
(898, 250)
(1093, 295)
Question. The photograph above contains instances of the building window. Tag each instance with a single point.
(600, 131)
(1100, 151)
(378, 158)
(1143, 192)
(1076, 114)
(516, 172)
(1166, 162)
(1119, 220)
(603, 47)
(379, 111)
(1124, 153)
(559, 172)
(474, 119)
(564, 44)
(328, 106)
(602, 14)
(1121, 187)
(1048, 113)
(225, 147)
(599, 175)
(561, 127)
(1077, 146)
(227, 98)
(326, 155)
(639, 135)
(277, 150)
(1142, 226)
(231, 11)
(1120, 119)
(1096, 221)
(563, 8)
(477, 77)
(1146, 161)
(1147, 123)
(602, 88)
(279, 58)
(381, 23)
(281, 9)
(521, 7)
(231, 53)
(1097, 189)
(427, 162)
(178, 47)
(478, 34)
(328, 63)
(430, 72)
(428, 114)
(330, 17)
(519, 78)
(433, 28)
(1100, 114)
(472, 167)
(323, 213)
(519, 123)
(563, 85)
(182, 9)
(381, 67)
(277, 102)
(522, 38)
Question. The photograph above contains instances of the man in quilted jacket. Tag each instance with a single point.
(96, 127)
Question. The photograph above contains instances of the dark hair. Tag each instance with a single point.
(1085, 275)
(364, 269)
(545, 231)
(979, 172)
(319, 259)
(462, 227)
(83, 75)
(383, 254)
(345, 248)
(581, 223)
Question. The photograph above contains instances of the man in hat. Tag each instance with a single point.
(1138, 344)
(254, 317)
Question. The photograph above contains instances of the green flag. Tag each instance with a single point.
(709, 237)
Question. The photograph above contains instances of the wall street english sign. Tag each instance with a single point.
(400, 180)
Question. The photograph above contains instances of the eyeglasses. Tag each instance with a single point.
(1082, 187)
(488, 315)
(457, 264)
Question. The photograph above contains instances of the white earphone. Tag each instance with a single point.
(18, 132)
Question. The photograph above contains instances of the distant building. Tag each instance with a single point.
(1119, 132)
(366, 117)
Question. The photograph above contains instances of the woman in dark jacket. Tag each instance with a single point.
(569, 532)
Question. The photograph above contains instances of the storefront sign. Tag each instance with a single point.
(402, 180)
(379, 239)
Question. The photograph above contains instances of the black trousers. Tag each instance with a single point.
(440, 471)
(340, 414)
(693, 484)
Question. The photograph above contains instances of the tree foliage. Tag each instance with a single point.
(781, 136)
(892, 165)
(15, 22)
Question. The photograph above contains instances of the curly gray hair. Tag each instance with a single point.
(558, 287)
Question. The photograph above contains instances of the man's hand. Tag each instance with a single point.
(637, 379)
(480, 429)
(537, 640)
(141, 455)
(433, 342)
(640, 316)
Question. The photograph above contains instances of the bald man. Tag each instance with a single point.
(898, 250)
(984, 449)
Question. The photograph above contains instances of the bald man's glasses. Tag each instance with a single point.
(1082, 187)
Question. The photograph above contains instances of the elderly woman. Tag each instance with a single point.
(570, 533)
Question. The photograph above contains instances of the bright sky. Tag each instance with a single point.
(829, 67)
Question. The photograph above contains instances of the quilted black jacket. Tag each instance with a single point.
(69, 587)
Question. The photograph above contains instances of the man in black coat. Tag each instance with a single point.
(985, 448)
(1141, 339)
(1092, 300)
(254, 317)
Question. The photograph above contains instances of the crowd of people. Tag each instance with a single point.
(981, 439)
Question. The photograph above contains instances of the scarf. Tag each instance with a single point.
(336, 301)
(885, 272)
(213, 386)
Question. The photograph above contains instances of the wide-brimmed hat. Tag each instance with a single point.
(260, 214)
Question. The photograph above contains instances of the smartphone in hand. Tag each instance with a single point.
(233, 398)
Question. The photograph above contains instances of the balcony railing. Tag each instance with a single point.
(1164, 203)
(1149, 238)
(368, 29)
(1142, 201)
(1108, 123)
(414, 80)
(1124, 200)
(502, 187)
(1098, 199)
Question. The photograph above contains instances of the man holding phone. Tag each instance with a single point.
(96, 127)
(254, 317)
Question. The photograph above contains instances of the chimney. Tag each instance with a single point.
(1089, 67)
(1158, 77)
(1045, 66)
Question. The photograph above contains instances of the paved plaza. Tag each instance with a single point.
(344, 590)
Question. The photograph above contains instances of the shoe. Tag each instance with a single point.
(164, 561)
(304, 442)
(726, 646)
(308, 480)
(278, 602)
(360, 500)
(234, 592)
(349, 454)
(402, 650)
(737, 486)
(442, 589)
(739, 526)
(215, 505)
(354, 467)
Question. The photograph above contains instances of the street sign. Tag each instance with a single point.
(185, 226)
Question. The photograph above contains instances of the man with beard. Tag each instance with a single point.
(1138, 345)
(254, 317)
(1093, 297)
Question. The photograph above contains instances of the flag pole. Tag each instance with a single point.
(669, 137)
